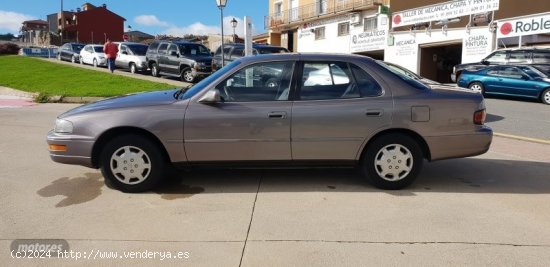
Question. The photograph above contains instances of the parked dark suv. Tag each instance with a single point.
(235, 51)
(536, 57)
(181, 59)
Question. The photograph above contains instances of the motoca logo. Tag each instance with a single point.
(506, 28)
(525, 26)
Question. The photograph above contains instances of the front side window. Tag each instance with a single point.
(162, 49)
(172, 50)
(497, 58)
(510, 72)
(259, 82)
(319, 33)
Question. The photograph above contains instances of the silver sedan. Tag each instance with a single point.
(277, 110)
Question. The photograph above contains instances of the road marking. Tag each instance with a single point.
(523, 138)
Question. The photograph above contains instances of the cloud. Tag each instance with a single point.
(11, 21)
(199, 28)
(150, 20)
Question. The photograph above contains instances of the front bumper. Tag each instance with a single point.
(78, 149)
(453, 77)
(462, 145)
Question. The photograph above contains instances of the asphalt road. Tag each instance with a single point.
(518, 116)
(490, 210)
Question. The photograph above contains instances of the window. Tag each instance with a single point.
(511, 72)
(237, 52)
(321, 6)
(278, 9)
(343, 29)
(327, 81)
(370, 24)
(319, 33)
(519, 57)
(172, 50)
(154, 46)
(368, 87)
(162, 49)
(258, 82)
(194, 49)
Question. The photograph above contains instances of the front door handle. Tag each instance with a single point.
(276, 115)
(374, 112)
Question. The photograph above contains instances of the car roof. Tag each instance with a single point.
(255, 45)
(304, 56)
(130, 43)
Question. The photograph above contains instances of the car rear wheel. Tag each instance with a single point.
(132, 163)
(477, 87)
(545, 96)
(154, 70)
(392, 161)
(133, 68)
(59, 57)
(95, 63)
(187, 75)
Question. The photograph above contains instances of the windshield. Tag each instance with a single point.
(77, 48)
(533, 72)
(208, 80)
(403, 76)
(194, 49)
(138, 50)
(98, 49)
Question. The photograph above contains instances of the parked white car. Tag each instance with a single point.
(131, 56)
(93, 55)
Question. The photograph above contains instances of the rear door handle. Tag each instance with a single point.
(374, 112)
(276, 115)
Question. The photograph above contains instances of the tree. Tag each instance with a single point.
(7, 37)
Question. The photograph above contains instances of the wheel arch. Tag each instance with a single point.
(114, 132)
(414, 135)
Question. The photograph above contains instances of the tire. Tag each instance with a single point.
(545, 96)
(154, 70)
(388, 153)
(187, 75)
(81, 61)
(95, 63)
(59, 57)
(73, 59)
(132, 163)
(477, 87)
(133, 68)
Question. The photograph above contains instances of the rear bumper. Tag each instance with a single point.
(458, 146)
(79, 149)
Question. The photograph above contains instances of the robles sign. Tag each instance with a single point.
(525, 26)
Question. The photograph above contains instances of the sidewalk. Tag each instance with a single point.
(11, 98)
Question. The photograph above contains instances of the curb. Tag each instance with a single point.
(75, 99)
(522, 138)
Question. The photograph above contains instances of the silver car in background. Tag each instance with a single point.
(131, 56)
(277, 110)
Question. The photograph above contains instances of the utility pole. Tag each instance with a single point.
(62, 22)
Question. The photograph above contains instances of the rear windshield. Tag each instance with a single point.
(406, 78)
(138, 50)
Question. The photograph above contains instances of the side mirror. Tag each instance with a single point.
(211, 97)
(174, 53)
(485, 62)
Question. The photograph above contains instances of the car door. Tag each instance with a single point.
(512, 81)
(491, 81)
(338, 105)
(161, 56)
(252, 123)
(172, 60)
(122, 57)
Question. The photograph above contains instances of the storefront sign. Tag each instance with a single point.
(526, 26)
(405, 48)
(476, 45)
(443, 11)
(368, 41)
(323, 22)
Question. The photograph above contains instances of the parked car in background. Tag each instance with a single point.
(93, 55)
(537, 57)
(521, 80)
(381, 121)
(70, 52)
(131, 56)
(185, 60)
(236, 51)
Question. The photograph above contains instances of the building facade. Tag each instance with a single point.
(34, 32)
(428, 37)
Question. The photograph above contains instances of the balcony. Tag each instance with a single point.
(319, 9)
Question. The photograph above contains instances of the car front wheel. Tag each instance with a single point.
(187, 75)
(477, 87)
(545, 96)
(392, 161)
(132, 163)
(95, 63)
(133, 68)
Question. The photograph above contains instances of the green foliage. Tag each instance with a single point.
(50, 78)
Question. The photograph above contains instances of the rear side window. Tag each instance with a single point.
(519, 57)
(541, 57)
(368, 87)
(331, 80)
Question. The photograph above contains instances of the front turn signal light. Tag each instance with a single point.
(61, 148)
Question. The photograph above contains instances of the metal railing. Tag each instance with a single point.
(318, 9)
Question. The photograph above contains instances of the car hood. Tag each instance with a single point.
(156, 98)
(202, 59)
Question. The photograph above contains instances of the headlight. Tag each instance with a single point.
(63, 126)
(199, 65)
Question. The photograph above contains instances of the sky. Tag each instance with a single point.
(172, 17)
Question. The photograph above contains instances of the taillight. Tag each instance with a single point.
(479, 117)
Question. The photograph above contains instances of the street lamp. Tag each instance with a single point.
(221, 4)
(234, 25)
